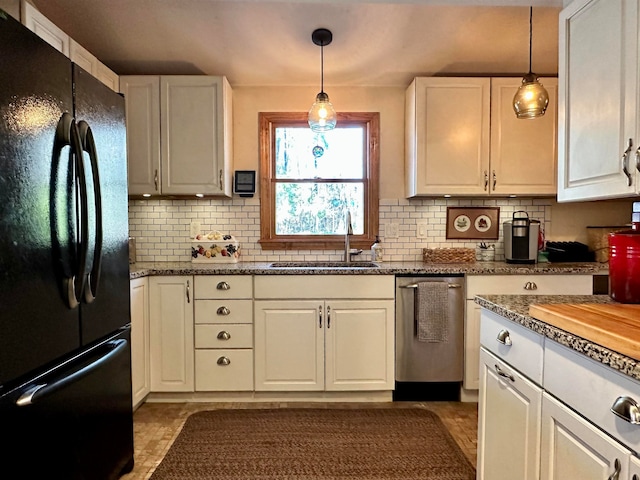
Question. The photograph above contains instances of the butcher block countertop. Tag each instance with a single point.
(594, 325)
(615, 326)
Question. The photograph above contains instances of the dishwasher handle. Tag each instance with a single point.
(415, 285)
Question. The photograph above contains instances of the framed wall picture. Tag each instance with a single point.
(473, 223)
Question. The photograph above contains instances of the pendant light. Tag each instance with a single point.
(322, 116)
(531, 99)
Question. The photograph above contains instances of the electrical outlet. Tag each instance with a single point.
(421, 230)
(391, 230)
(194, 229)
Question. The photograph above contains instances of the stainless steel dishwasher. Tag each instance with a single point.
(428, 370)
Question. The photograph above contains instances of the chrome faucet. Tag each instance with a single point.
(349, 231)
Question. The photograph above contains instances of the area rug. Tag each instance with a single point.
(310, 443)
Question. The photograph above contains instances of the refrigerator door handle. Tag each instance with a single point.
(93, 277)
(39, 391)
(67, 135)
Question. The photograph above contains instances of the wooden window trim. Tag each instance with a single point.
(268, 239)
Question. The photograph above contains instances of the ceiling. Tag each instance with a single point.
(268, 42)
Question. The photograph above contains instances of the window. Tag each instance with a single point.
(308, 181)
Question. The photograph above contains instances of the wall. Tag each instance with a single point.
(162, 226)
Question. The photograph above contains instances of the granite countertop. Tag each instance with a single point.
(516, 309)
(143, 269)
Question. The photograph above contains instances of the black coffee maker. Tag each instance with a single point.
(521, 238)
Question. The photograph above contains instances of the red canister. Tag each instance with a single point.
(624, 265)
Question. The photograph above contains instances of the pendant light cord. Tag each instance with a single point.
(530, 34)
(322, 68)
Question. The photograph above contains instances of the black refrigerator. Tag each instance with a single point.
(65, 356)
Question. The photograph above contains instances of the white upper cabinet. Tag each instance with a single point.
(463, 138)
(598, 121)
(179, 134)
(54, 36)
(44, 28)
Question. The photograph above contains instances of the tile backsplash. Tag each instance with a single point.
(162, 227)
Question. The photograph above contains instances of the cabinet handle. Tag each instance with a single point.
(223, 361)
(224, 335)
(155, 179)
(220, 179)
(223, 311)
(627, 409)
(504, 374)
(328, 317)
(616, 473)
(188, 292)
(625, 162)
(635, 477)
(486, 180)
(495, 179)
(319, 316)
(638, 169)
(223, 286)
(530, 286)
(504, 337)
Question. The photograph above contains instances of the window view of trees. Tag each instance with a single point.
(319, 177)
(309, 180)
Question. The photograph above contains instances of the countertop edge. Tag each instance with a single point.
(144, 269)
(516, 308)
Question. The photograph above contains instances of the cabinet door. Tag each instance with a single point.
(171, 334)
(82, 57)
(142, 96)
(194, 130)
(447, 129)
(140, 366)
(634, 468)
(44, 28)
(289, 345)
(574, 448)
(597, 98)
(508, 423)
(359, 347)
(107, 76)
(523, 152)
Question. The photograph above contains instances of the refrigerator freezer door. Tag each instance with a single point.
(37, 223)
(101, 119)
(75, 421)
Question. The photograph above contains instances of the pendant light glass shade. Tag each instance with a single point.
(322, 116)
(531, 99)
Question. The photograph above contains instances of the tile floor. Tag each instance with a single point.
(157, 424)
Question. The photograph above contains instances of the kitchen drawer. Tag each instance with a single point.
(325, 286)
(211, 375)
(528, 285)
(223, 286)
(224, 311)
(224, 336)
(526, 349)
(591, 388)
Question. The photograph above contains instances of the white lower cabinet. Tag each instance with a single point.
(574, 448)
(324, 345)
(140, 366)
(508, 285)
(171, 333)
(634, 468)
(508, 422)
(223, 333)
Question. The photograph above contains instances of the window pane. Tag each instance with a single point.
(303, 154)
(318, 208)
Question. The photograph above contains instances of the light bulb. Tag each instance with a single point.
(322, 116)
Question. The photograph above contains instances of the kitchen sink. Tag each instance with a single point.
(324, 265)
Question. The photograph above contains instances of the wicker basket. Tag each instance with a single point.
(448, 255)
(598, 241)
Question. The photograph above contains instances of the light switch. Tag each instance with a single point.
(194, 229)
(391, 230)
(421, 230)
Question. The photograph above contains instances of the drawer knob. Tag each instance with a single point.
(224, 361)
(223, 311)
(223, 286)
(627, 409)
(616, 473)
(504, 337)
(530, 286)
(224, 335)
